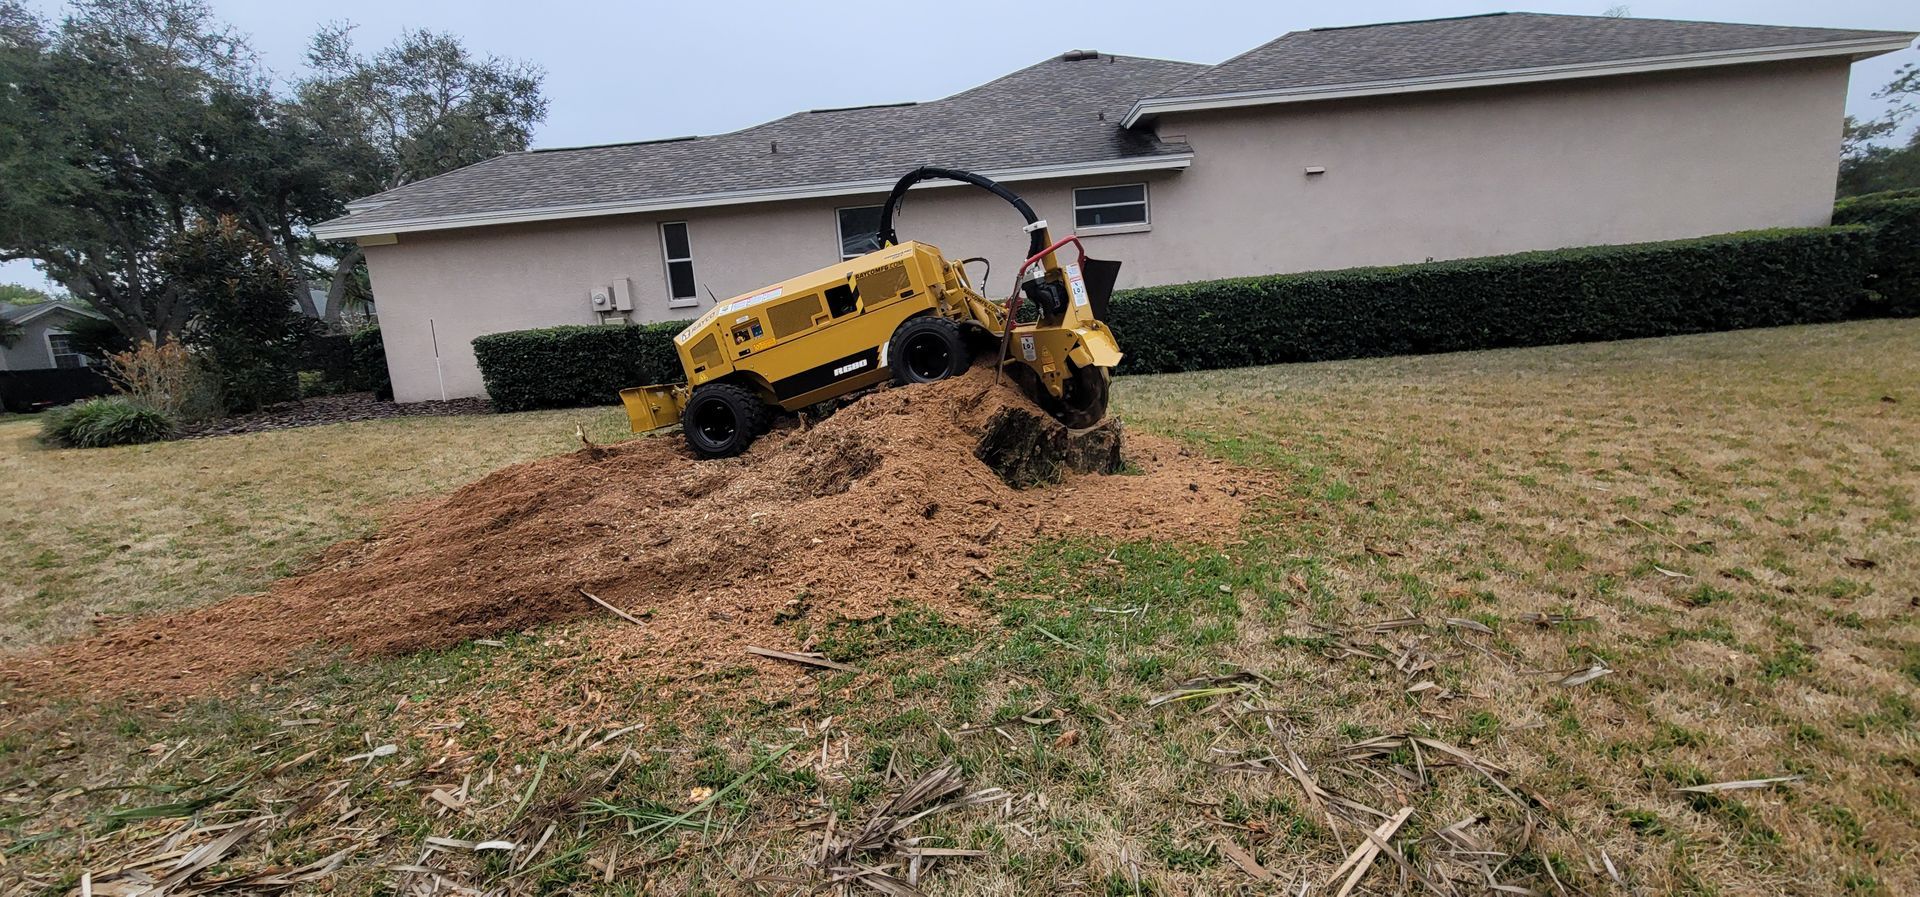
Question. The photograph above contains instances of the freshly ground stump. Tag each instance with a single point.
(1027, 448)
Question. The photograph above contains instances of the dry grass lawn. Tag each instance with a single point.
(149, 528)
(1526, 596)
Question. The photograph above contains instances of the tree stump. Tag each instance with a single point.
(1028, 448)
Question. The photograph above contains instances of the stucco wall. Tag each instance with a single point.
(1442, 175)
(1483, 172)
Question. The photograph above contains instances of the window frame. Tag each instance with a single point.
(1145, 203)
(840, 233)
(53, 357)
(667, 261)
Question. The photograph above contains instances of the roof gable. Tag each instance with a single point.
(21, 314)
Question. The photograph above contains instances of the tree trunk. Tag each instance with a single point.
(337, 287)
(296, 284)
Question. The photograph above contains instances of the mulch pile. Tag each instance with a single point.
(883, 501)
(335, 409)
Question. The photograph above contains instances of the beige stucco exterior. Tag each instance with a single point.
(1447, 174)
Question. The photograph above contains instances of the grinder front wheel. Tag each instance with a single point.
(722, 419)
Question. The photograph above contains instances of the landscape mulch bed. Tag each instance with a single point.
(884, 502)
(336, 409)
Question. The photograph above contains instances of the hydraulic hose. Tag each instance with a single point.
(888, 237)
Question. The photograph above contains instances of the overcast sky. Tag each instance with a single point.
(636, 71)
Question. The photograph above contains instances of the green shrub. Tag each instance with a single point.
(369, 368)
(316, 383)
(1880, 196)
(564, 367)
(1894, 277)
(1758, 279)
(112, 420)
(245, 326)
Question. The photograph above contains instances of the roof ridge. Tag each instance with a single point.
(1477, 15)
(866, 106)
(593, 146)
(1204, 68)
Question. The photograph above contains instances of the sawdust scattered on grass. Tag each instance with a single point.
(882, 502)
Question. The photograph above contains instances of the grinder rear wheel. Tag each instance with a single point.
(722, 419)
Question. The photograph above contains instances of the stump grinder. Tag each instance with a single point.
(902, 312)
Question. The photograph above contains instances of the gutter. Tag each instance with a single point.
(347, 228)
(1860, 48)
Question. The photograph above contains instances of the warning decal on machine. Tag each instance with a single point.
(1027, 350)
(1077, 285)
(728, 308)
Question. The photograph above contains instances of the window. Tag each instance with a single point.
(1108, 206)
(60, 346)
(859, 231)
(678, 250)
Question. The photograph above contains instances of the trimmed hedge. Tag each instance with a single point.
(564, 367)
(1894, 217)
(1757, 279)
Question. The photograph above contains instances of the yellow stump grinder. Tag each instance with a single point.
(902, 311)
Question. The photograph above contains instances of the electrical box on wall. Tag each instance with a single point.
(602, 298)
(623, 294)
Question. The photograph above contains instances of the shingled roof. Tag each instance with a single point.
(1312, 64)
(1078, 113)
(1059, 115)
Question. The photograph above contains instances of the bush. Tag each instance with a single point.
(245, 326)
(368, 370)
(1894, 277)
(328, 357)
(112, 420)
(167, 378)
(1758, 279)
(563, 367)
(314, 384)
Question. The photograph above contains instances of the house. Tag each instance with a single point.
(43, 342)
(1328, 148)
(42, 366)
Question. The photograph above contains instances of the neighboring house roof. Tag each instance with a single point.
(1469, 51)
(1074, 114)
(20, 314)
(1058, 117)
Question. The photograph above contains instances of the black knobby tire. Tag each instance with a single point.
(722, 419)
(926, 349)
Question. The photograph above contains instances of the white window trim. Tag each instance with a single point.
(1130, 227)
(53, 358)
(666, 267)
(840, 236)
